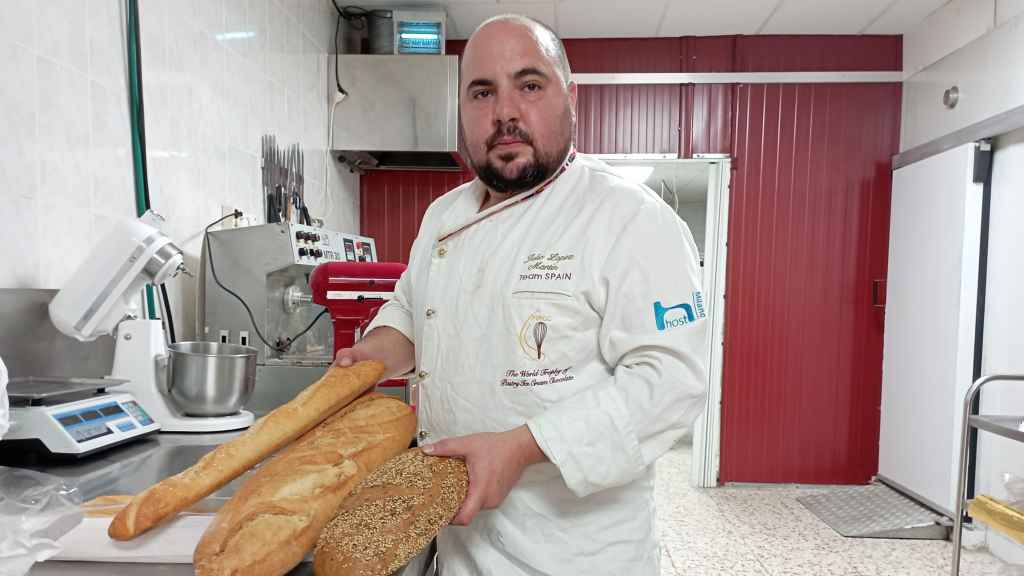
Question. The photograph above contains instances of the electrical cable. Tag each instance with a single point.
(286, 343)
(167, 314)
(337, 46)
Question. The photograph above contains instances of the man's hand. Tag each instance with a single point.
(495, 462)
(384, 344)
(349, 356)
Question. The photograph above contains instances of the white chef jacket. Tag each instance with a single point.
(575, 309)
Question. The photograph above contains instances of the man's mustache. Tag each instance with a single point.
(509, 130)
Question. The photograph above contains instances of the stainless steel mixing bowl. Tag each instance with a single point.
(209, 378)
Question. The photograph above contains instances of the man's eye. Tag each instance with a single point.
(481, 94)
(532, 87)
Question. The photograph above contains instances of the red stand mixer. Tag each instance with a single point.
(353, 292)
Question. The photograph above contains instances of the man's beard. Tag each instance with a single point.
(529, 175)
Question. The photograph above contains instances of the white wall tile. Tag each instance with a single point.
(256, 22)
(18, 243)
(208, 101)
(60, 33)
(212, 18)
(110, 154)
(19, 22)
(18, 147)
(106, 55)
(311, 68)
(277, 31)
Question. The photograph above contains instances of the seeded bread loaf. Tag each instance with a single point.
(392, 516)
(274, 519)
(160, 502)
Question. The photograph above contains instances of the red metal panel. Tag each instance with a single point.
(707, 111)
(392, 204)
(621, 55)
(808, 232)
(613, 55)
(709, 53)
(454, 47)
(818, 53)
(628, 119)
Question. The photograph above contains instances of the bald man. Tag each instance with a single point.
(552, 314)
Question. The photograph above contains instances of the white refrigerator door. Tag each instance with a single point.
(930, 313)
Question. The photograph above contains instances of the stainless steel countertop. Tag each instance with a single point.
(129, 469)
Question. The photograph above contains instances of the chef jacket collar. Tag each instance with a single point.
(478, 193)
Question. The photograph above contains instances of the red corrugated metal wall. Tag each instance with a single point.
(629, 119)
(808, 229)
(392, 204)
(807, 235)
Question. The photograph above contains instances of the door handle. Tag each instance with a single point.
(878, 293)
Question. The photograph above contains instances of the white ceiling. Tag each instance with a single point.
(647, 18)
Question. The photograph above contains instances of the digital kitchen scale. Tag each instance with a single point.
(72, 417)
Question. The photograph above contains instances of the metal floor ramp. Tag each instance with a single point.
(876, 511)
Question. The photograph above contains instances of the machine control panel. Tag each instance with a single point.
(315, 245)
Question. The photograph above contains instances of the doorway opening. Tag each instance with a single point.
(698, 191)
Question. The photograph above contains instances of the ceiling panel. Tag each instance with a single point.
(903, 16)
(672, 18)
(824, 16)
(702, 18)
(609, 18)
(464, 17)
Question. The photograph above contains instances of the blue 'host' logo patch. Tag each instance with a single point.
(669, 317)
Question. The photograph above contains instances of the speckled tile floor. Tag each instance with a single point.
(764, 531)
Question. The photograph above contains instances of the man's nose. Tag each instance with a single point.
(506, 107)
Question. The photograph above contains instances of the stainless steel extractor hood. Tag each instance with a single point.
(400, 112)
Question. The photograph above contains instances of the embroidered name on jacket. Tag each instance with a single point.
(669, 317)
(554, 266)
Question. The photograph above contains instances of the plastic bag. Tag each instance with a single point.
(36, 509)
(5, 409)
(1014, 490)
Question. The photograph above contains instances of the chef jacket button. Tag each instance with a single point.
(431, 312)
(441, 252)
(423, 374)
(422, 436)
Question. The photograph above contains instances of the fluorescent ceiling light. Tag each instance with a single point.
(635, 174)
(418, 36)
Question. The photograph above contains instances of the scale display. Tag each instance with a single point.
(84, 424)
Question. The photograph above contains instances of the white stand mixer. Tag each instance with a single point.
(103, 297)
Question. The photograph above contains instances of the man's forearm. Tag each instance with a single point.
(391, 347)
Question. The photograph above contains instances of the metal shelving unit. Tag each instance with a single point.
(1006, 426)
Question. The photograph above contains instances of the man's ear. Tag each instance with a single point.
(571, 87)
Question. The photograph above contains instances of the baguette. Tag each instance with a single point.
(391, 516)
(338, 387)
(274, 519)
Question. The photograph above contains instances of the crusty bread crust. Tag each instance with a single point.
(391, 516)
(274, 519)
(158, 503)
